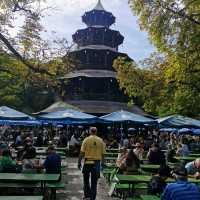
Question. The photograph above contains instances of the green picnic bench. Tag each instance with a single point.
(13, 180)
(149, 197)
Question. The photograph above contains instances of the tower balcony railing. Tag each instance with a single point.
(95, 66)
(97, 97)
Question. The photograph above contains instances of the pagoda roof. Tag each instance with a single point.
(99, 6)
(94, 47)
(98, 16)
(90, 74)
(104, 107)
(57, 106)
(77, 49)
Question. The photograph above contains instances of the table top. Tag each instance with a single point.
(21, 197)
(187, 158)
(28, 177)
(144, 179)
(111, 154)
(110, 158)
(149, 166)
(194, 154)
(149, 197)
(112, 150)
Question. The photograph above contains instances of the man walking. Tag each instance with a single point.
(92, 150)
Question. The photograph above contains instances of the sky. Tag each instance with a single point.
(65, 20)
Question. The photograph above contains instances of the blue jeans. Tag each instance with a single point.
(90, 179)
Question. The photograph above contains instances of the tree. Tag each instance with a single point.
(174, 28)
(144, 85)
(36, 62)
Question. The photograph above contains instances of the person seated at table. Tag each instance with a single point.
(193, 168)
(131, 164)
(28, 150)
(155, 155)
(63, 141)
(170, 154)
(39, 141)
(114, 144)
(7, 165)
(121, 156)
(52, 163)
(74, 145)
(29, 162)
(19, 140)
(181, 189)
(158, 183)
(182, 150)
(139, 151)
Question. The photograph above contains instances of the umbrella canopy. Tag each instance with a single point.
(179, 121)
(68, 115)
(122, 116)
(11, 114)
(20, 122)
(196, 131)
(168, 130)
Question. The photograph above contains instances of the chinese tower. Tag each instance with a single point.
(93, 87)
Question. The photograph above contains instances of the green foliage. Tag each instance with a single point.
(171, 84)
(29, 65)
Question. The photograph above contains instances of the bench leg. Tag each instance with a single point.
(53, 194)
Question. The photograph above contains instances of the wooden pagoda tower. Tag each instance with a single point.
(93, 87)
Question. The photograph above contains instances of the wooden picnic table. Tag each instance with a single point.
(44, 157)
(111, 154)
(14, 177)
(195, 155)
(44, 152)
(110, 158)
(133, 179)
(112, 150)
(186, 158)
(150, 167)
(30, 178)
(149, 197)
(21, 197)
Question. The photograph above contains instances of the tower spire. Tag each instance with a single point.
(99, 6)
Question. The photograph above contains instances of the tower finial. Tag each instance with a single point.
(99, 6)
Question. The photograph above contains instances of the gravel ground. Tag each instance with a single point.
(74, 188)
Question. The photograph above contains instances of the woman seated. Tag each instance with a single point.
(182, 150)
(121, 156)
(155, 155)
(131, 164)
(29, 162)
(170, 154)
(139, 151)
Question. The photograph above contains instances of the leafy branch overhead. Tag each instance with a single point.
(31, 62)
(173, 27)
(29, 48)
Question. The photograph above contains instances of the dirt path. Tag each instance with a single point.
(74, 188)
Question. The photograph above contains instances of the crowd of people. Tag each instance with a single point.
(135, 149)
(166, 150)
(23, 159)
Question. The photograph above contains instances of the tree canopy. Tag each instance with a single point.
(29, 64)
(173, 27)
